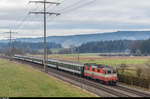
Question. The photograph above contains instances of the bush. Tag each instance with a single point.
(123, 67)
(142, 82)
(139, 72)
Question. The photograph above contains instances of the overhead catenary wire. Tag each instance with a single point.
(74, 6)
(25, 19)
(21, 22)
(79, 6)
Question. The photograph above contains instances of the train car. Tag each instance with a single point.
(29, 59)
(65, 66)
(106, 74)
(52, 63)
(76, 68)
(71, 67)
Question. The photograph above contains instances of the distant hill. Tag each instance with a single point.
(66, 41)
(28, 45)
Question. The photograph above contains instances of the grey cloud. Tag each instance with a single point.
(103, 14)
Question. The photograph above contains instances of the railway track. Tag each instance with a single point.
(143, 94)
(109, 91)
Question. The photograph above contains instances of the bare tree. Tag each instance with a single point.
(123, 68)
(139, 72)
(138, 53)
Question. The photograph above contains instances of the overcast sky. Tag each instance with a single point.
(77, 17)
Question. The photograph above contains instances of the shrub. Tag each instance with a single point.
(123, 67)
(138, 72)
(142, 82)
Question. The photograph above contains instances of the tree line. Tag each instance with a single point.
(24, 48)
(105, 46)
(26, 45)
(134, 47)
(141, 47)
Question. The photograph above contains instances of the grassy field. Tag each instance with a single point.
(17, 80)
(117, 62)
(95, 58)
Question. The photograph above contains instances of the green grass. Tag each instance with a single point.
(117, 62)
(17, 80)
(74, 55)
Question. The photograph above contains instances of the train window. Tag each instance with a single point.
(74, 67)
(114, 71)
(66, 65)
(55, 63)
(70, 66)
(61, 65)
(108, 72)
(88, 68)
(93, 69)
(77, 68)
(98, 70)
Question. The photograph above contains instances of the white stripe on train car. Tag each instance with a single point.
(70, 70)
(51, 65)
(75, 64)
(29, 60)
(37, 62)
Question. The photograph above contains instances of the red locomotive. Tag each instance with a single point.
(106, 74)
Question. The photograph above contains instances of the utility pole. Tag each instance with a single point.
(45, 2)
(78, 54)
(10, 42)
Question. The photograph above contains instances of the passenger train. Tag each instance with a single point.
(103, 73)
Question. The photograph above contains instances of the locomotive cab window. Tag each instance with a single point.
(114, 71)
(108, 72)
(93, 69)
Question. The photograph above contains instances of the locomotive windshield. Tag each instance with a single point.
(114, 71)
(108, 71)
